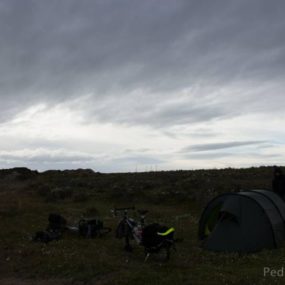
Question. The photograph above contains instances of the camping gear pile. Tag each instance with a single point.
(90, 228)
(153, 237)
(57, 225)
(247, 221)
(54, 230)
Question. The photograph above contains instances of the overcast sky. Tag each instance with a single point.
(130, 85)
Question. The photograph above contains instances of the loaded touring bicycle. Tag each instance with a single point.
(155, 238)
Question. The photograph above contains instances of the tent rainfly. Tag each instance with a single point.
(247, 221)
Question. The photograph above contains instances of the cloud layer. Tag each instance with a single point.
(168, 75)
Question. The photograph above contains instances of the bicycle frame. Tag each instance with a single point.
(129, 228)
(133, 228)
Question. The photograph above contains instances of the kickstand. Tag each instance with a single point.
(146, 257)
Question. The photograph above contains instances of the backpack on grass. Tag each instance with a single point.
(56, 225)
(56, 222)
(90, 228)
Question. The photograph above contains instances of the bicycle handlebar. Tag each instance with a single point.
(115, 210)
(125, 210)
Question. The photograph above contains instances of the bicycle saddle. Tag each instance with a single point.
(142, 212)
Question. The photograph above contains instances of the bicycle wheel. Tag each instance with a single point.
(162, 254)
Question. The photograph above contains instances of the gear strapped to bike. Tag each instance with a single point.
(153, 237)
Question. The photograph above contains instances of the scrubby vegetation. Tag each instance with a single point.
(174, 197)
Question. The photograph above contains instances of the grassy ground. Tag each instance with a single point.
(171, 198)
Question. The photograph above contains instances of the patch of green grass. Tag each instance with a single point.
(102, 260)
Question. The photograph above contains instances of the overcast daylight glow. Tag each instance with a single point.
(141, 85)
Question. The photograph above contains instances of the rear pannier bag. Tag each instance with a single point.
(155, 235)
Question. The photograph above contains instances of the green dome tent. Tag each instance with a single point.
(247, 221)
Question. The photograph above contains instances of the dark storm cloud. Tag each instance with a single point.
(158, 113)
(53, 51)
(218, 146)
